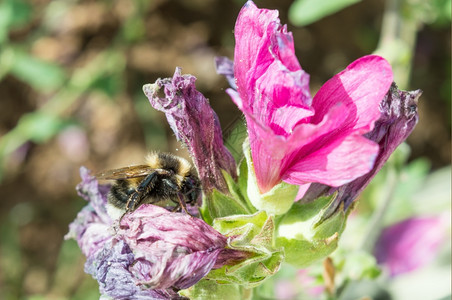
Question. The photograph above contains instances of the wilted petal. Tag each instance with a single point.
(411, 244)
(224, 66)
(196, 124)
(398, 117)
(110, 267)
(92, 227)
(171, 249)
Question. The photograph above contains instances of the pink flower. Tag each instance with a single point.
(293, 137)
(411, 244)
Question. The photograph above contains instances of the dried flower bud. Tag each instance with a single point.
(196, 124)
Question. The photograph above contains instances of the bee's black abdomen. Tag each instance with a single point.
(120, 193)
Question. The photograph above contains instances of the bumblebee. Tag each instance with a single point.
(163, 178)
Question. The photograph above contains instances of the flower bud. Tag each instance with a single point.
(308, 233)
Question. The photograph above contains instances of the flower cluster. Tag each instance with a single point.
(150, 253)
(323, 150)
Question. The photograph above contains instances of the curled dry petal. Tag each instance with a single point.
(293, 137)
(398, 117)
(195, 124)
(225, 67)
(110, 267)
(92, 227)
(171, 249)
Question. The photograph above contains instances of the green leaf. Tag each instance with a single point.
(221, 205)
(361, 265)
(235, 135)
(238, 192)
(40, 126)
(246, 226)
(41, 75)
(110, 84)
(13, 13)
(304, 12)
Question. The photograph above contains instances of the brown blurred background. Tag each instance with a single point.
(89, 110)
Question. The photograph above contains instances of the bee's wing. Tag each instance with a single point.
(124, 173)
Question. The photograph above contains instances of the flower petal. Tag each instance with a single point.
(360, 87)
(110, 267)
(224, 66)
(335, 164)
(422, 236)
(171, 249)
(91, 229)
(398, 117)
(251, 36)
(196, 124)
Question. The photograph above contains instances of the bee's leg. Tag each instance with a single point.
(182, 203)
(140, 193)
(181, 200)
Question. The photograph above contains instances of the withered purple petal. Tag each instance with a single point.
(95, 194)
(91, 229)
(196, 125)
(110, 267)
(224, 66)
(398, 118)
(171, 249)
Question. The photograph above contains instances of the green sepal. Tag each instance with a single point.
(278, 200)
(238, 189)
(218, 205)
(254, 236)
(307, 235)
(210, 289)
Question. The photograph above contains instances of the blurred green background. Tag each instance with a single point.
(71, 74)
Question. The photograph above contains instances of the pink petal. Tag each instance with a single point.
(277, 154)
(335, 164)
(285, 118)
(302, 191)
(361, 87)
(249, 31)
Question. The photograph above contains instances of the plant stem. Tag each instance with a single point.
(375, 224)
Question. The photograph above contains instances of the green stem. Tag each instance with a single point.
(376, 222)
(398, 38)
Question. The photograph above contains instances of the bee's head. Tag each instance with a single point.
(191, 189)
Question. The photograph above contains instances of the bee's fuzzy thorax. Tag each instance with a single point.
(161, 160)
(152, 160)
